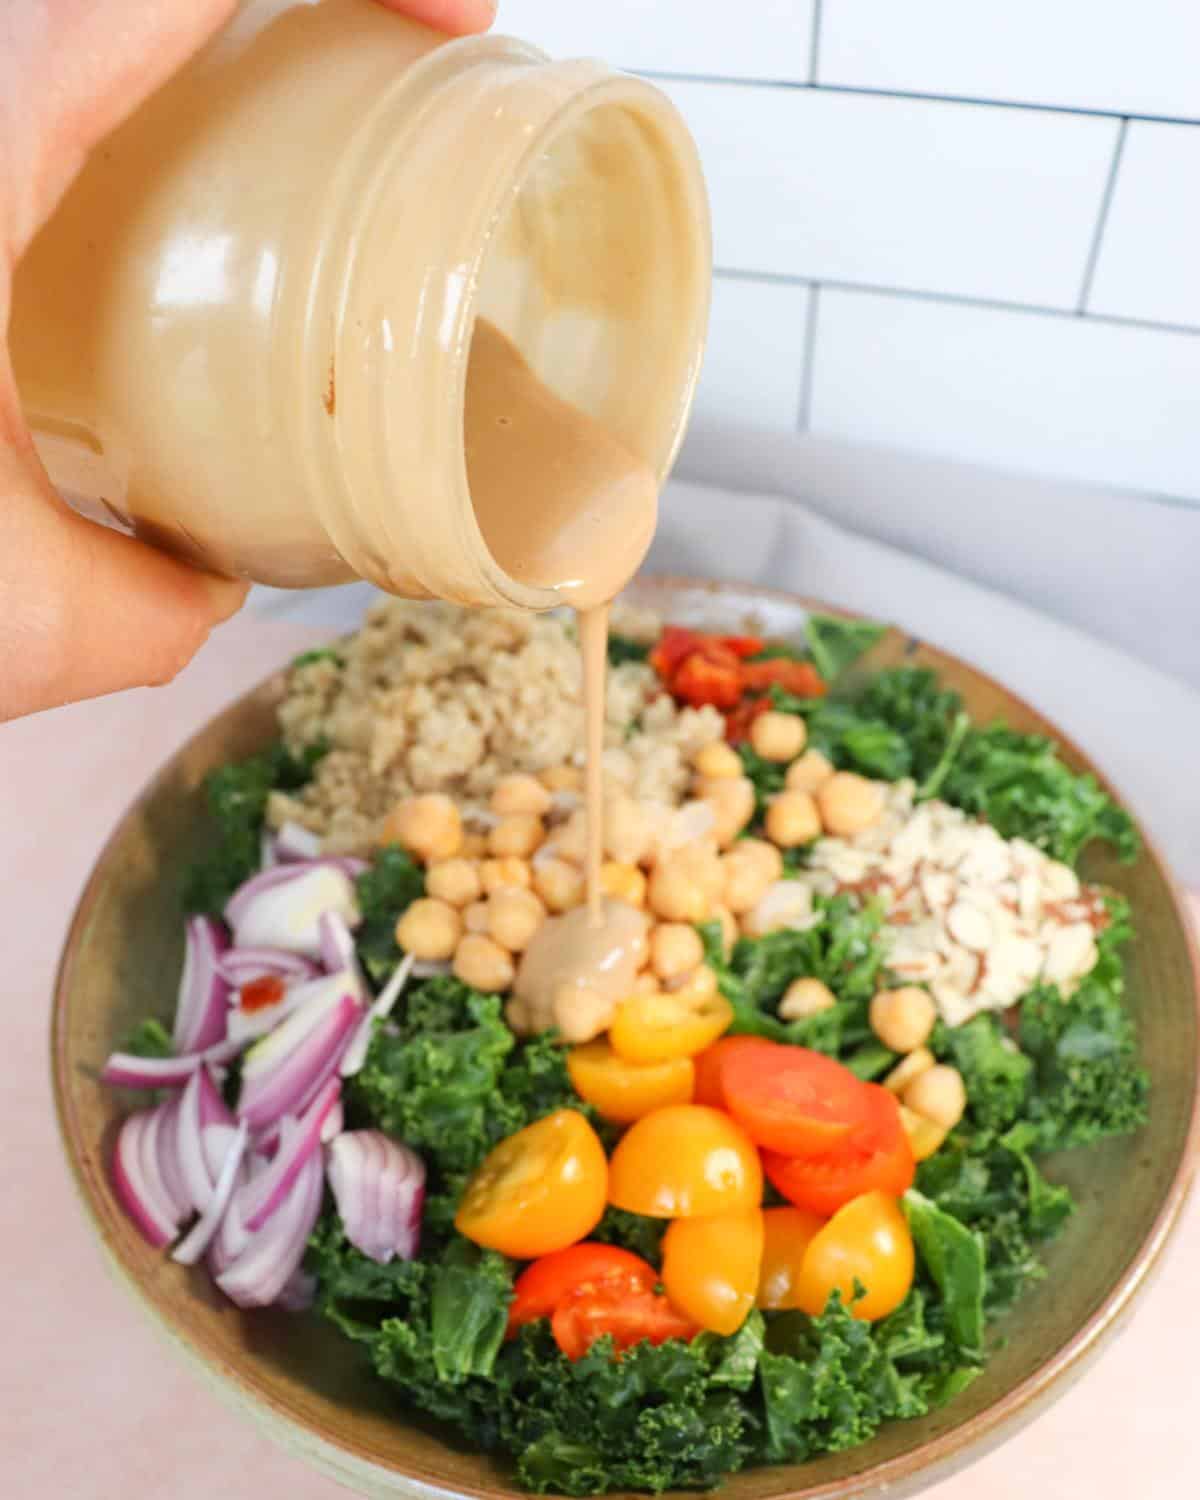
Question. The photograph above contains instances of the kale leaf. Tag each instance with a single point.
(622, 649)
(393, 882)
(149, 1038)
(837, 643)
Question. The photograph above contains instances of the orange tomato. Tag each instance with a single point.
(787, 1234)
(670, 1023)
(711, 1267)
(537, 1191)
(540, 1288)
(711, 1065)
(876, 1156)
(868, 1241)
(685, 1161)
(625, 1091)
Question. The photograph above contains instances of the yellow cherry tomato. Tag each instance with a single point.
(539, 1190)
(710, 1267)
(685, 1161)
(787, 1234)
(624, 1091)
(867, 1241)
(674, 1023)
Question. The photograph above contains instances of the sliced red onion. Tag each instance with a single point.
(139, 1181)
(335, 1123)
(126, 1071)
(298, 1140)
(282, 908)
(244, 965)
(167, 1151)
(299, 1292)
(246, 1026)
(216, 1141)
(267, 857)
(203, 990)
(348, 864)
(293, 842)
(379, 1188)
(200, 1107)
(197, 1239)
(337, 943)
(287, 1067)
(268, 1260)
(356, 1053)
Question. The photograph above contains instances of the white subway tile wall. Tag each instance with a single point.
(756, 343)
(965, 228)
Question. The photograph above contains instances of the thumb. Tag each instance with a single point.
(85, 610)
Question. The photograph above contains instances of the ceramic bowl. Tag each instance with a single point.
(305, 1384)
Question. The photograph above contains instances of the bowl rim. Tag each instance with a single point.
(953, 1448)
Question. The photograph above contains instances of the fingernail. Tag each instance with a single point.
(226, 595)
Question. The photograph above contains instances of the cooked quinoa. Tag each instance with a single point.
(431, 697)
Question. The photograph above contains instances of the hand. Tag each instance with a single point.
(85, 610)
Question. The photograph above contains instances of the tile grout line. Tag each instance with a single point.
(864, 91)
(954, 299)
(814, 42)
(808, 358)
(1106, 201)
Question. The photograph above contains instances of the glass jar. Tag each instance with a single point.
(244, 333)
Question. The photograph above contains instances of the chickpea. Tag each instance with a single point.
(520, 793)
(849, 804)
(514, 916)
(516, 836)
(628, 829)
(717, 760)
(580, 1014)
(646, 983)
(675, 949)
(623, 882)
(455, 881)
(685, 886)
(494, 873)
(777, 736)
(902, 1019)
(908, 1068)
(804, 998)
(473, 846)
(429, 929)
(792, 819)
(562, 779)
(729, 928)
(476, 917)
(732, 801)
(483, 964)
(429, 827)
(938, 1094)
(559, 884)
(923, 1135)
(700, 982)
(750, 867)
(808, 773)
(570, 841)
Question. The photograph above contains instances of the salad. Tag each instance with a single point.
(778, 1195)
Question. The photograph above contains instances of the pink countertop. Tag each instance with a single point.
(94, 1407)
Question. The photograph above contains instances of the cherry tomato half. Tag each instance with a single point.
(793, 1100)
(711, 1267)
(787, 1234)
(876, 1155)
(540, 1287)
(628, 1315)
(624, 1091)
(674, 644)
(670, 1023)
(700, 681)
(711, 1063)
(685, 1161)
(800, 678)
(537, 1191)
(868, 1241)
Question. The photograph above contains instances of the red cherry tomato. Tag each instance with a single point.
(629, 1315)
(711, 1064)
(539, 1288)
(794, 1100)
(673, 645)
(700, 681)
(876, 1157)
(798, 677)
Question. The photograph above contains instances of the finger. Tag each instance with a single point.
(455, 17)
(85, 610)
